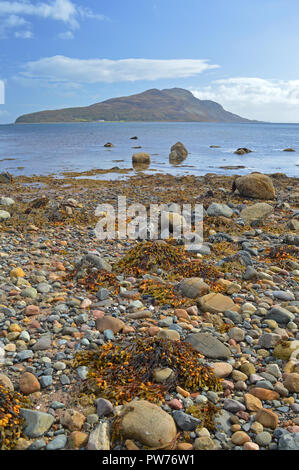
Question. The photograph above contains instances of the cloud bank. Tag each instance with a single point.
(255, 98)
(65, 11)
(65, 69)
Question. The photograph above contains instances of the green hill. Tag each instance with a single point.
(174, 104)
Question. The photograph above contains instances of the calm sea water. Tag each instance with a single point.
(53, 148)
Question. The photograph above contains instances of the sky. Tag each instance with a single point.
(65, 53)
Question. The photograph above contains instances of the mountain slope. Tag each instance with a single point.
(174, 104)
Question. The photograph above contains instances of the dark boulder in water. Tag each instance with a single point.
(5, 177)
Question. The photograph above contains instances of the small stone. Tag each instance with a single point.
(222, 369)
(109, 323)
(291, 382)
(204, 443)
(263, 438)
(28, 383)
(17, 272)
(240, 437)
(252, 403)
(251, 446)
(267, 418)
(217, 303)
(58, 443)
(77, 440)
(185, 421)
(162, 375)
(6, 382)
(104, 407)
(99, 438)
(73, 420)
(37, 423)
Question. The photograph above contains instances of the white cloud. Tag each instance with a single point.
(24, 34)
(11, 22)
(255, 98)
(64, 69)
(65, 11)
(66, 35)
(62, 10)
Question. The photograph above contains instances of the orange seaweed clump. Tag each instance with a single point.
(122, 373)
(10, 419)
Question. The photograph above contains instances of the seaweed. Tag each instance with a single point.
(121, 373)
(11, 422)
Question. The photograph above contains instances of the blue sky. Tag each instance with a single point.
(240, 53)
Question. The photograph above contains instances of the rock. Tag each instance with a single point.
(242, 151)
(280, 315)
(222, 369)
(5, 178)
(4, 215)
(6, 382)
(204, 443)
(58, 443)
(36, 422)
(283, 295)
(43, 343)
(208, 345)
(95, 260)
(258, 211)
(264, 393)
(293, 225)
(250, 446)
(148, 424)
(17, 272)
(77, 439)
(108, 144)
(169, 334)
(263, 438)
(286, 349)
(267, 418)
(289, 442)
(217, 303)
(289, 150)
(109, 323)
(255, 185)
(236, 333)
(103, 294)
(178, 153)
(268, 340)
(291, 382)
(32, 310)
(6, 201)
(215, 210)
(161, 375)
(73, 420)
(104, 407)
(141, 157)
(99, 438)
(175, 404)
(252, 403)
(233, 406)
(28, 383)
(239, 438)
(184, 421)
(193, 287)
(30, 292)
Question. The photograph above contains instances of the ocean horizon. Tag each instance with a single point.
(55, 148)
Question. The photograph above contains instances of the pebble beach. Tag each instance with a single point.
(65, 295)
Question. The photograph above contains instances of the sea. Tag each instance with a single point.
(44, 149)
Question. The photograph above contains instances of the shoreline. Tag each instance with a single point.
(56, 300)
